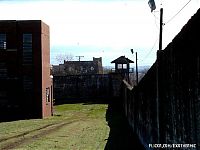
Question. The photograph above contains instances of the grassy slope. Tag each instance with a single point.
(74, 126)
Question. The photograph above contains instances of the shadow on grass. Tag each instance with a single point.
(10, 116)
(121, 136)
(12, 113)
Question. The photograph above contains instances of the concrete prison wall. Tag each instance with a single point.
(171, 115)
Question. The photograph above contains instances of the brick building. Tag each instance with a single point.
(79, 67)
(26, 87)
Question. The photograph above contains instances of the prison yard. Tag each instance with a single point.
(82, 126)
(74, 126)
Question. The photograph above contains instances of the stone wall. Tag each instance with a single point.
(87, 87)
(81, 87)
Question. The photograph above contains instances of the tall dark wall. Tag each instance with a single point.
(81, 87)
(172, 115)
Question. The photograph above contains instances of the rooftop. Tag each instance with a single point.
(122, 60)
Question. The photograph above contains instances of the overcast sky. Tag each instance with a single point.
(103, 28)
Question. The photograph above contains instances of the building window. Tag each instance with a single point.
(48, 94)
(28, 84)
(124, 66)
(92, 68)
(2, 41)
(3, 71)
(70, 69)
(119, 66)
(27, 49)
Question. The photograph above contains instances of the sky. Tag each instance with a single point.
(103, 28)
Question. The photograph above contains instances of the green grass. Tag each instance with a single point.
(74, 126)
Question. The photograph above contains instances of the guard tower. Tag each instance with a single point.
(122, 66)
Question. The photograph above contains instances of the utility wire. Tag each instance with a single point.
(177, 12)
(150, 50)
(155, 20)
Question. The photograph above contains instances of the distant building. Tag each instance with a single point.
(26, 87)
(79, 67)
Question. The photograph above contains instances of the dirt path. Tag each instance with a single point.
(74, 126)
(32, 135)
(24, 134)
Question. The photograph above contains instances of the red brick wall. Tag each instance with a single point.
(46, 80)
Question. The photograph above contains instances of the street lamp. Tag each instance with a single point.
(136, 66)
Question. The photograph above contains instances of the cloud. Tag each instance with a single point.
(112, 25)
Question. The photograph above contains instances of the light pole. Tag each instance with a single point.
(153, 7)
(136, 66)
(161, 28)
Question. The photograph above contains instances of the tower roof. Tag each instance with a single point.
(122, 60)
